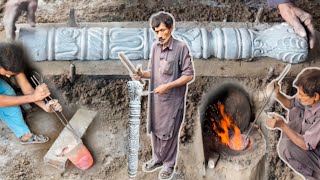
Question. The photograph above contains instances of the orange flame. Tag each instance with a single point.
(225, 126)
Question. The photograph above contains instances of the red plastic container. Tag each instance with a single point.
(80, 156)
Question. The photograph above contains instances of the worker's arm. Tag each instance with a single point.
(145, 74)
(295, 137)
(163, 88)
(300, 20)
(187, 73)
(28, 89)
(42, 89)
(6, 101)
(31, 96)
(278, 122)
(285, 101)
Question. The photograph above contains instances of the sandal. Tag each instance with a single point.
(166, 173)
(36, 139)
(151, 166)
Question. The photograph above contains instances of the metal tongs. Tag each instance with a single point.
(279, 79)
(60, 115)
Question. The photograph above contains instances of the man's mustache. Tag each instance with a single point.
(160, 39)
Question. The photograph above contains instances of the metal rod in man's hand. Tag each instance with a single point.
(65, 122)
(128, 64)
(284, 73)
(279, 79)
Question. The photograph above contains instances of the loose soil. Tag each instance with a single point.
(54, 11)
(106, 137)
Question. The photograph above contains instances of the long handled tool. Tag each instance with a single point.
(279, 79)
(129, 65)
(63, 119)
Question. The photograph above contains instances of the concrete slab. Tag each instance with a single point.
(80, 122)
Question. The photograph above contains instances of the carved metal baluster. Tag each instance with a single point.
(135, 91)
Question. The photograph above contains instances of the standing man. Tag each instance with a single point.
(299, 145)
(170, 70)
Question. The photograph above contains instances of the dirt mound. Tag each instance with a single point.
(20, 168)
(50, 11)
(106, 137)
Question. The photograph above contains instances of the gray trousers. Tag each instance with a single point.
(305, 162)
(165, 151)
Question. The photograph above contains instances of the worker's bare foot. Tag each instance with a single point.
(26, 137)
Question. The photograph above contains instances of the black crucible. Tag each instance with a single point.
(236, 106)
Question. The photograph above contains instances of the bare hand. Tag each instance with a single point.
(41, 92)
(12, 12)
(275, 122)
(53, 105)
(139, 72)
(299, 20)
(137, 76)
(162, 89)
(276, 87)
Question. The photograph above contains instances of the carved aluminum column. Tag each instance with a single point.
(279, 42)
(102, 43)
(135, 90)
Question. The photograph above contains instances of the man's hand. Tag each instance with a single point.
(162, 89)
(12, 12)
(274, 85)
(278, 122)
(53, 105)
(40, 93)
(300, 20)
(137, 76)
(275, 122)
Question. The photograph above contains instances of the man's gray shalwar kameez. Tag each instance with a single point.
(304, 120)
(166, 111)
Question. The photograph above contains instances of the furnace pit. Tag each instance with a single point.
(226, 115)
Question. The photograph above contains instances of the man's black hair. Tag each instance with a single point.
(12, 57)
(309, 80)
(161, 17)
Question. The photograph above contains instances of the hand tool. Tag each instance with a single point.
(129, 65)
(279, 79)
(63, 119)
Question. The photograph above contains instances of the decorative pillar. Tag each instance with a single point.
(102, 43)
(135, 91)
(279, 42)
